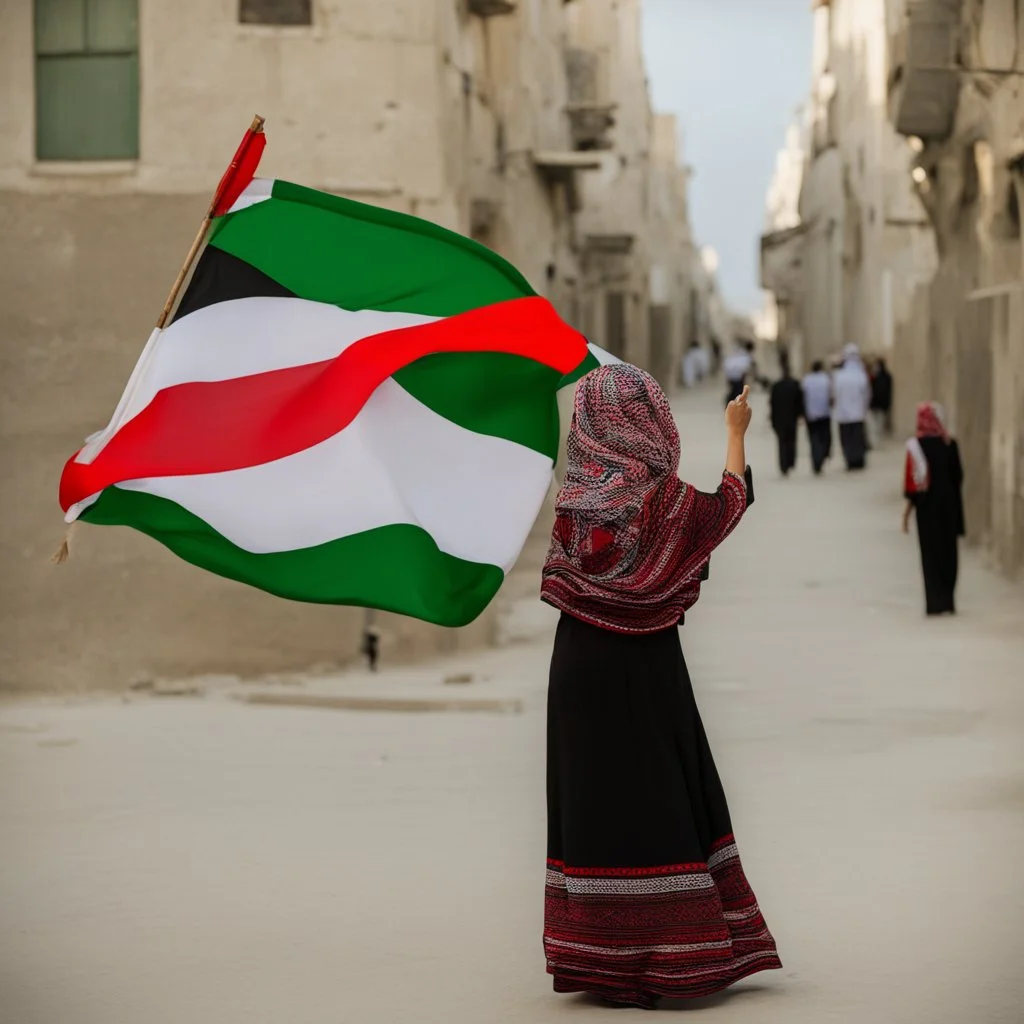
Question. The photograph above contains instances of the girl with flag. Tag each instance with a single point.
(645, 894)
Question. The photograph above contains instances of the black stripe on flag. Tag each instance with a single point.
(220, 276)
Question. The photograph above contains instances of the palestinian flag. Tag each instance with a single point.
(350, 406)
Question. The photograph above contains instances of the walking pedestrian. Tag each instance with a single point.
(645, 894)
(881, 399)
(787, 407)
(933, 487)
(736, 367)
(852, 391)
(693, 365)
(817, 389)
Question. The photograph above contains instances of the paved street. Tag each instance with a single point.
(182, 860)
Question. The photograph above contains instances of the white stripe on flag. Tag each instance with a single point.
(256, 191)
(603, 357)
(397, 462)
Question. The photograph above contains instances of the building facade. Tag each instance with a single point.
(957, 92)
(909, 235)
(862, 240)
(117, 117)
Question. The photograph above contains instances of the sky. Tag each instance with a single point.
(734, 71)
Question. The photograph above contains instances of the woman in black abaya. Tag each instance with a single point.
(933, 489)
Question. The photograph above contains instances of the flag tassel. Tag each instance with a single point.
(63, 553)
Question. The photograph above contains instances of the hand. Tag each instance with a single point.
(906, 520)
(737, 413)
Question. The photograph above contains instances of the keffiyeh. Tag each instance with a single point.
(930, 423)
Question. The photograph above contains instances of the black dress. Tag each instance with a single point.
(940, 523)
(645, 894)
(787, 406)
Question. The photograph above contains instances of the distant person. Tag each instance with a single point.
(852, 391)
(933, 484)
(737, 365)
(787, 406)
(693, 365)
(881, 399)
(817, 389)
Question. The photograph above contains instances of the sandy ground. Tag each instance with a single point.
(180, 860)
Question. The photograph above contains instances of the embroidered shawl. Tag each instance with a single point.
(631, 540)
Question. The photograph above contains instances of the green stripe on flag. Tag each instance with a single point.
(336, 250)
(491, 393)
(396, 568)
(590, 362)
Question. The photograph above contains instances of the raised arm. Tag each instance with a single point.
(737, 419)
(712, 517)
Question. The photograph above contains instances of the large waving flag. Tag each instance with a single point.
(350, 406)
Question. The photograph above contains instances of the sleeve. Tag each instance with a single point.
(712, 518)
(909, 487)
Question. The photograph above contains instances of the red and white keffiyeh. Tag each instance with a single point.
(930, 423)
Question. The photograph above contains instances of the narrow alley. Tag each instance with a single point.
(198, 858)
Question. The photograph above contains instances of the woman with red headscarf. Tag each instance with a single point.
(645, 894)
(933, 481)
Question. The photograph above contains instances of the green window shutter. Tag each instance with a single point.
(60, 26)
(87, 80)
(111, 25)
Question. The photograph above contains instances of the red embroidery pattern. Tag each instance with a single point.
(633, 934)
(631, 539)
(679, 529)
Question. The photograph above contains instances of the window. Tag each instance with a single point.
(87, 79)
(275, 12)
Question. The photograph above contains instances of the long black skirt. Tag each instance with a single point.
(939, 561)
(645, 894)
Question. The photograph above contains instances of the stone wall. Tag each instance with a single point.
(417, 105)
(84, 279)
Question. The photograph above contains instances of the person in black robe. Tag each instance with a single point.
(787, 408)
(933, 487)
(881, 398)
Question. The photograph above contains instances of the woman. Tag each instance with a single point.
(933, 481)
(645, 895)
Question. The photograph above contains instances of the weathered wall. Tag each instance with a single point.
(867, 241)
(971, 356)
(83, 278)
(89, 251)
(616, 198)
(417, 105)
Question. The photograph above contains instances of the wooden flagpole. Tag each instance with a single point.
(255, 128)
